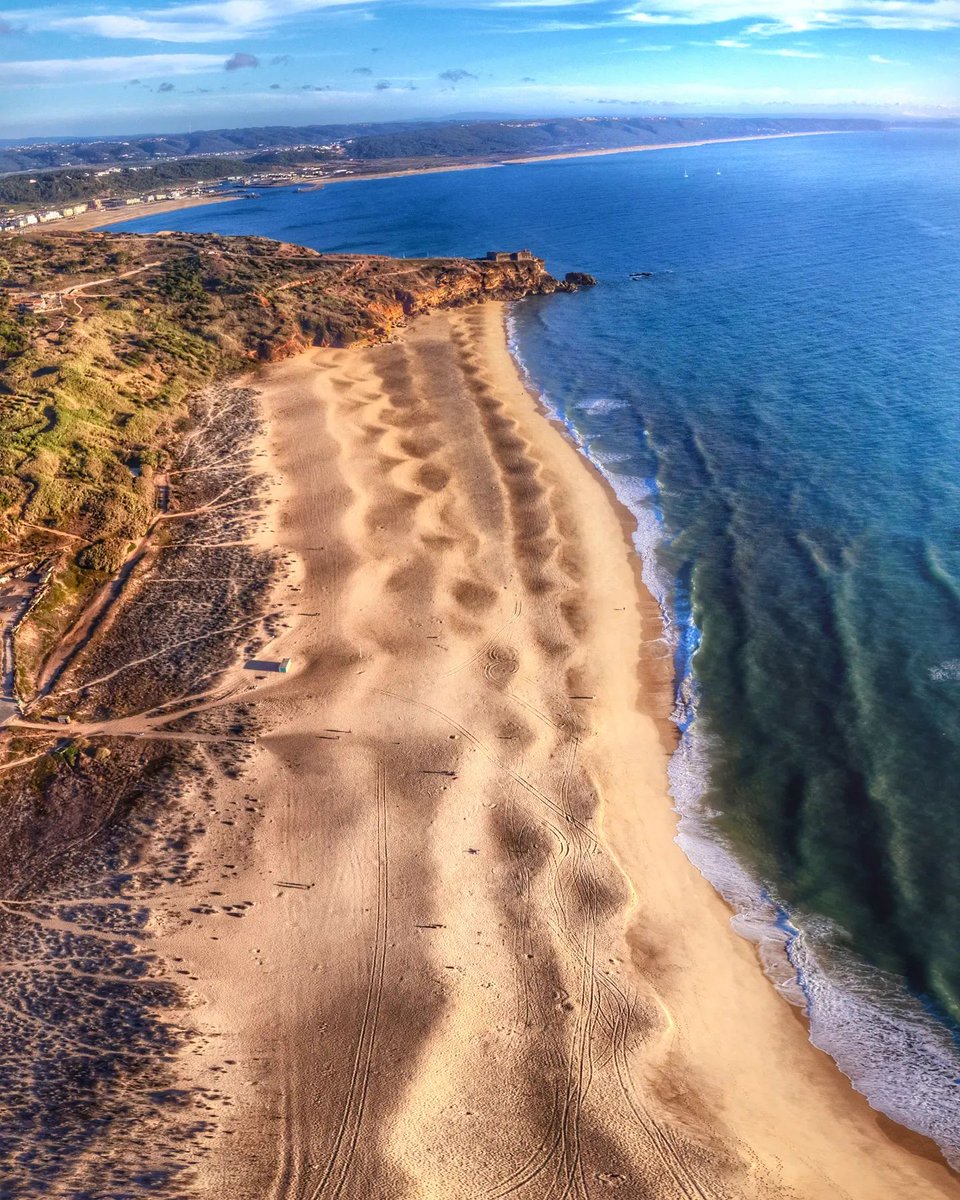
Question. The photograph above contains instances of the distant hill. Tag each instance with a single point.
(52, 174)
(457, 138)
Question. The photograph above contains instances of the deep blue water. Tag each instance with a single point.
(780, 405)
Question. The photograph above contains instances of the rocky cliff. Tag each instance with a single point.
(362, 298)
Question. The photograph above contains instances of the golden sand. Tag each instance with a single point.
(104, 218)
(473, 961)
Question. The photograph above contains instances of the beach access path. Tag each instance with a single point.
(472, 961)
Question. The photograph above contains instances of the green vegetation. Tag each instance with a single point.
(13, 337)
(93, 385)
(68, 754)
(53, 188)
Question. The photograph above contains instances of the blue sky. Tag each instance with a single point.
(113, 66)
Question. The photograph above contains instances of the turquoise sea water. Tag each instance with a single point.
(779, 404)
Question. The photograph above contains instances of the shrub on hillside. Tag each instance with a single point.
(105, 556)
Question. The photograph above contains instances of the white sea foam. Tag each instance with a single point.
(893, 1051)
(601, 406)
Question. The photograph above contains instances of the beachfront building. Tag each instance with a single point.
(509, 256)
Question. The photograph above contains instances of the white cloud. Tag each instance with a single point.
(887, 62)
(115, 68)
(187, 23)
(796, 16)
(737, 44)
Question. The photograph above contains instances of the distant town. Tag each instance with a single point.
(11, 221)
(15, 221)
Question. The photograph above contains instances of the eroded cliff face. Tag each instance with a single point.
(467, 281)
(398, 289)
(246, 299)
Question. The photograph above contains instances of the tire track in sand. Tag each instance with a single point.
(561, 1147)
(337, 1170)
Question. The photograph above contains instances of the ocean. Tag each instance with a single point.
(768, 373)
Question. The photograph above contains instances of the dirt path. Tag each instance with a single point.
(16, 597)
(77, 288)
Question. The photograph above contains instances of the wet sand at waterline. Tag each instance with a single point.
(471, 961)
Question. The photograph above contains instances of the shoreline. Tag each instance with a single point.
(787, 953)
(753, 918)
(104, 219)
(655, 673)
(601, 153)
(462, 791)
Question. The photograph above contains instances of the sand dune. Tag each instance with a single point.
(471, 960)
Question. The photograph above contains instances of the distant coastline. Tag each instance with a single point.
(536, 158)
(94, 220)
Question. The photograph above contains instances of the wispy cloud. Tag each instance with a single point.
(779, 52)
(185, 23)
(887, 62)
(787, 53)
(537, 4)
(115, 68)
(558, 25)
(802, 15)
(456, 75)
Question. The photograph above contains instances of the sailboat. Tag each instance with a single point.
(685, 175)
(718, 170)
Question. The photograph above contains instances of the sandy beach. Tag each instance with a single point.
(454, 951)
(103, 218)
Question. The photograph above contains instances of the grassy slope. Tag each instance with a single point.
(94, 388)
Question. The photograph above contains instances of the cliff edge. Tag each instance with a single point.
(104, 339)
